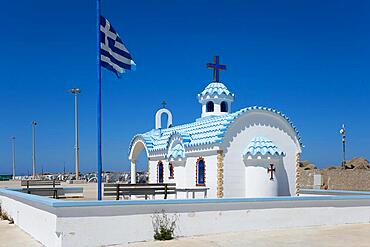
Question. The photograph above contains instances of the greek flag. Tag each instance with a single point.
(113, 54)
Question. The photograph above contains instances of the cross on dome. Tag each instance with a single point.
(216, 66)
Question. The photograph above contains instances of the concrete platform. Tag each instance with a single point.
(353, 235)
(12, 236)
(356, 235)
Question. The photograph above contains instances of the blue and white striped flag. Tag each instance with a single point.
(113, 54)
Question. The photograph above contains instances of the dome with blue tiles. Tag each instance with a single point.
(216, 88)
(262, 146)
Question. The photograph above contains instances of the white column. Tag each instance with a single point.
(133, 171)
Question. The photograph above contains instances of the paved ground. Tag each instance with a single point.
(325, 236)
(12, 236)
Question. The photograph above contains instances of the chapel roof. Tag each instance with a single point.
(262, 146)
(205, 131)
(216, 88)
(177, 152)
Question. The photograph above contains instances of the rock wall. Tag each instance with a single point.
(337, 179)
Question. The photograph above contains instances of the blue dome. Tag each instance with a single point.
(216, 88)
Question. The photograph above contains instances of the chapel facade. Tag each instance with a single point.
(253, 152)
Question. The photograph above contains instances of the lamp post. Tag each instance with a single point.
(13, 154)
(34, 123)
(76, 91)
(343, 134)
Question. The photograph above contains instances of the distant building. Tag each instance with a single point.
(252, 152)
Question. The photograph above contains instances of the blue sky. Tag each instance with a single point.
(309, 59)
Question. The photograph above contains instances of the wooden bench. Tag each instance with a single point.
(118, 190)
(40, 189)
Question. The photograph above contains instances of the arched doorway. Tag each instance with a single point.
(138, 156)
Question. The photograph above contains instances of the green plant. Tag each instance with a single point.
(5, 216)
(164, 225)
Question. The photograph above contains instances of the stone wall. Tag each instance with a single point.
(337, 179)
(306, 179)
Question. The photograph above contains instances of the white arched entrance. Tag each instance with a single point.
(137, 147)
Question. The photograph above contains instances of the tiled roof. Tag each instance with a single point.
(205, 131)
(216, 88)
(177, 152)
(262, 146)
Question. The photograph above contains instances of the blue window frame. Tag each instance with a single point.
(201, 172)
(160, 172)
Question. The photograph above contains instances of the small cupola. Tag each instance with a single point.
(216, 99)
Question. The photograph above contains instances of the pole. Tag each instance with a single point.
(99, 175)
(76, 91)
(13, 152)
(34, 123)
(343, 134)
(76, 137)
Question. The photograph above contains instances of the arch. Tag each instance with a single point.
(160, 172)
(210, 107)
(158, 118)
(224, 106)
(200, 172)
(137, 145)
(271, 118)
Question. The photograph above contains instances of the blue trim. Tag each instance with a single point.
(335, 191)
(61, 203)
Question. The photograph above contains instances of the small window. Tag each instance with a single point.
(210, 107)
(171, 168)
(160, 172)
(224, 107)
(201, 173)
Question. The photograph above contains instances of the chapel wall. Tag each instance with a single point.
(210, 173)
(237, 139)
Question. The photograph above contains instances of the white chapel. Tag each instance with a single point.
(253, 152)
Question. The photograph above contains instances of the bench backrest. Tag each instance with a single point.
(139, 189)
(30, 183)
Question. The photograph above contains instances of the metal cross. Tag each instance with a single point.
(271, 170)
(164, 103)
(216, 66)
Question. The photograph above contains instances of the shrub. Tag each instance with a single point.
(5, 216)
(164, 225)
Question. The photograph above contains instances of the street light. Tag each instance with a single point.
(13, 152)
(343, 134)
(34, 123)
(76, 91)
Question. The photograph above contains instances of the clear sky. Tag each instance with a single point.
(309, 59)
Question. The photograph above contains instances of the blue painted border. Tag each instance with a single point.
(336, 191)
(62, 203)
